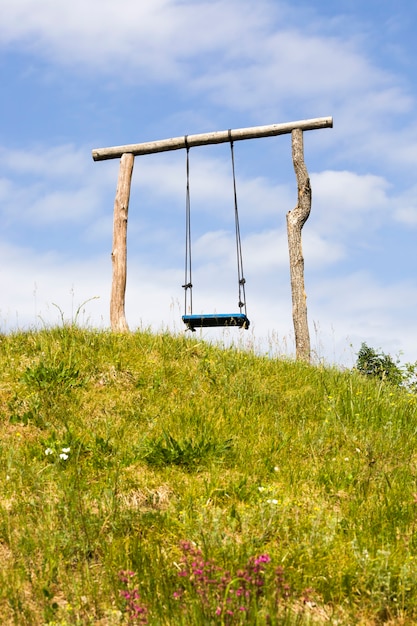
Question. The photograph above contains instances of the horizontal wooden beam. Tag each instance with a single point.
(204, 139)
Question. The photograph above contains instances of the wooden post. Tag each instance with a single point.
(119, 251)
(295, 222)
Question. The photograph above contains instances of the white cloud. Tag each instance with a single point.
(154, 37)
(320, 251)
(45, 161)
(266, 251)
(253, 59)
(240, 54)
(344, 201)
(359, 307)
(36, 281)
(74, 205)
(51, 184)
(406, 207)
(289, 64)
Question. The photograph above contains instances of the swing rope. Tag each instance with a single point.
(188, 286)
(225, 319)
(241, 278)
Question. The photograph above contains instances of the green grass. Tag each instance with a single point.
(117, 449)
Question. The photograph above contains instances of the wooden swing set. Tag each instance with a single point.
(296, 219)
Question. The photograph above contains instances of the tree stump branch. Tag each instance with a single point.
(295, 222)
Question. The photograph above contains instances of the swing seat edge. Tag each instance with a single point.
(216, 320)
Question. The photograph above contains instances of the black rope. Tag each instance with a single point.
(188, 286)
(241, 279)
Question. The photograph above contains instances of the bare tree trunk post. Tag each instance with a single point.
(119, 251)
(295, 222)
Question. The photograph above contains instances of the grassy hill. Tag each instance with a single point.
(157, 479)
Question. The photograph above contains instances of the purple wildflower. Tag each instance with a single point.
(135, 611)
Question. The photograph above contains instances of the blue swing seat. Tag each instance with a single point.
(238, 320)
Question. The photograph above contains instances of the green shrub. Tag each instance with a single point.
(379, 365)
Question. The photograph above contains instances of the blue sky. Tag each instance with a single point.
(96, 73)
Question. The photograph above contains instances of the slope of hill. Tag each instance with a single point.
(158, 479)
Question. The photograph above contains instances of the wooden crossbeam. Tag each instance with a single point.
(204, 139)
